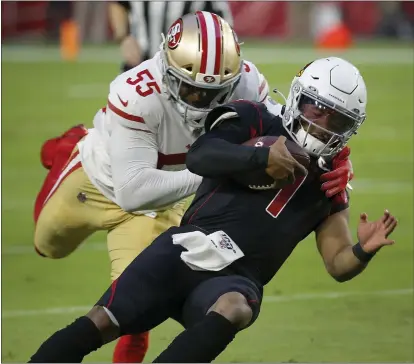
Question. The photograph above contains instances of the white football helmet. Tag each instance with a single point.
(325, 106)
(201, 64)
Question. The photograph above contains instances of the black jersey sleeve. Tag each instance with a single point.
(219, 153)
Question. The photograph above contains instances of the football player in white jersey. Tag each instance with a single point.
(127, 175)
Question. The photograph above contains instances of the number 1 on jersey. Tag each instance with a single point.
(283, 197)
(150, 85)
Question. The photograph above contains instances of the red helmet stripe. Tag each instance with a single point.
(217, 29)
(204, 42)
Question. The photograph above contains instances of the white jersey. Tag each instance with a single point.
(135, 154)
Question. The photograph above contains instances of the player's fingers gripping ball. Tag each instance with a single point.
(260, 180)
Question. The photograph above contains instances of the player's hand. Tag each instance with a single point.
(335, 181)
(130, 50)
(281, 165)
(373, 235)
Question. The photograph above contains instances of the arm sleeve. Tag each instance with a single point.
(138, 185)
(218, 153)
(253, 85)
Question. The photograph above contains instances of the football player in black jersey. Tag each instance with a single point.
(209, 273)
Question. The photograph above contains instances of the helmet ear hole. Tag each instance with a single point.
(227, 72)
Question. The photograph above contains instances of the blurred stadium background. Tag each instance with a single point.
(306, 316)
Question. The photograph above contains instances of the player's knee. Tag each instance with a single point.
(50, 251)
(44, 246)
(52, 246)
(105, 324)
(235, 308)
(38, 252)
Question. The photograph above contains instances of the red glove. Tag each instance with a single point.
(336, 180)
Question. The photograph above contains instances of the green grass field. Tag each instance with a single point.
(306, 316)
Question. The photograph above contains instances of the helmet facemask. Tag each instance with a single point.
(192, 100)
(318, 125)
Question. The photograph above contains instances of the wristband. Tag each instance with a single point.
(362, 255)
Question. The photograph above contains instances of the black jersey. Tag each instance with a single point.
(266, 225)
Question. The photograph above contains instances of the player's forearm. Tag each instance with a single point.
(118, 17)
(345, 265)
(218, 158)
(152, 189)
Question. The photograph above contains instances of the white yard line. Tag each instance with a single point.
(271, 54)
(29, 249)
(381, 187)
(267, 299)
(335, 295)
(88, 91)
(361, 185)
(275, 55)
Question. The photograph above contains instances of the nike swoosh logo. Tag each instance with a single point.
(125, 103)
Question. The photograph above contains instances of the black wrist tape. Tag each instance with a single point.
(362, 255)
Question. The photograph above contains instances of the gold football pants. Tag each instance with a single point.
(75, 209)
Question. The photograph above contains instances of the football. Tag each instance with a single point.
(260, 180)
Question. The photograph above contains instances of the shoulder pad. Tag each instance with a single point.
(244, 109)
(253, 85)
(136, 108)
(225, 116)
(274, 107)
(218, 114)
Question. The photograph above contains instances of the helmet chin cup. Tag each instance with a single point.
(195, 119)
(311, 144)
